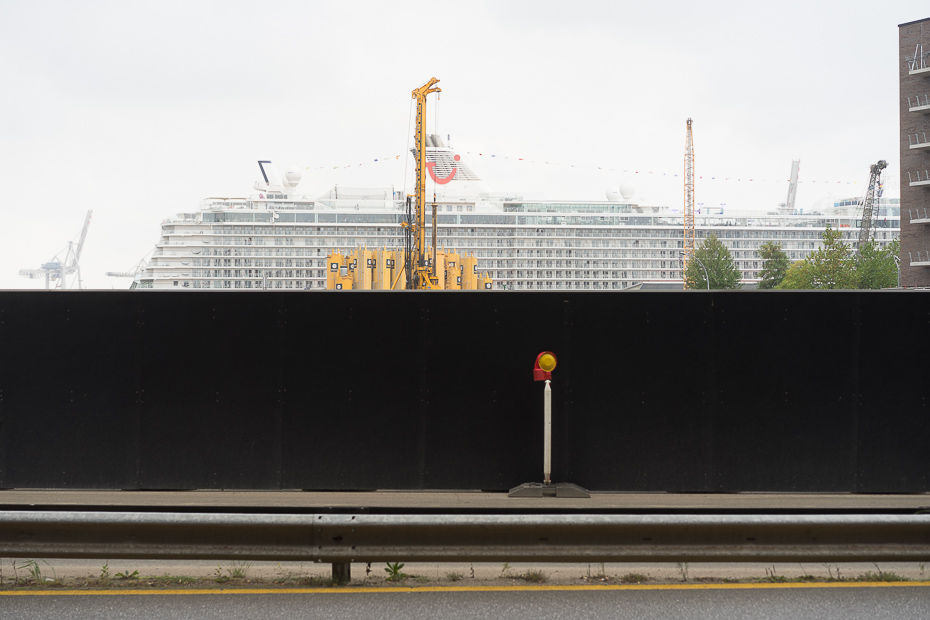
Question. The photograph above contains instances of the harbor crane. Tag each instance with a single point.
(132, 273)
(870, 202)
(63, 264)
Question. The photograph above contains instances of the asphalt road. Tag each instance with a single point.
(847, 603)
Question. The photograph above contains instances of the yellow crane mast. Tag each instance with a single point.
(422, 276)
(689, 200)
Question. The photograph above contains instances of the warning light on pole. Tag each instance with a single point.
(545, 364)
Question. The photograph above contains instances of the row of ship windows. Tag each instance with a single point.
(744, 259)
(465, 244)
(503, 285)
(543, 258)
(235, 266)
(534, 240)
(509, 278)
(586, 273)
(267, 235)
(280, 220)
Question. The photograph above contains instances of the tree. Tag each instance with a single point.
(798, 276)
(717, 260)
(876, 267)
(832, 265)
(775, 266)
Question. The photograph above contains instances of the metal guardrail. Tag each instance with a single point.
(340, 539)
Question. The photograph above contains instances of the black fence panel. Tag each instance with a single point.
(665, 391)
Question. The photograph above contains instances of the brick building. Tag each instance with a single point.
(914, 80)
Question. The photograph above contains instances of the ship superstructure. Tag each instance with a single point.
(278, 239)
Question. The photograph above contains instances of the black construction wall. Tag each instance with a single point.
(690, 391)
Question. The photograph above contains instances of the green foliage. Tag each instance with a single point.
(720, 268)
(876, 267)
(775, 264)
(799, 276)
(833, 265)
(127, 575)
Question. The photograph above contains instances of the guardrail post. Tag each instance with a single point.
(342, 572)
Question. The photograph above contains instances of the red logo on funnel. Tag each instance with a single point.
(451, 176)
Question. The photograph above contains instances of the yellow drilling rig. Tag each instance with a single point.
(414, 267)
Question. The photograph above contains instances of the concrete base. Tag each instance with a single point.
(558, 489)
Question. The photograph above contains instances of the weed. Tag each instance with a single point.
(829, 568)
(683, 569)
(920, 565)
(534, 576)
(167, 580)
(634, 578)
(127, 575)
(455, 576)
(394, 571)
(32, 567)
(807, 578)
(239, 570)
(505, 568)
(472, 568)
(105, 572)
(218, 575)
(771, 575)
(420, 578)
(880, 576)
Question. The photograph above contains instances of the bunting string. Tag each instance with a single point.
(633, 171)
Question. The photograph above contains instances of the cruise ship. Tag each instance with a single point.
(278, 239)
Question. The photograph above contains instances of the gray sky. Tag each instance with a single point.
(139, 110)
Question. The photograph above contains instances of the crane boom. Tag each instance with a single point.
(870, 202)
(77, 253)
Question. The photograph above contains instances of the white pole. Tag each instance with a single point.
(547, 450)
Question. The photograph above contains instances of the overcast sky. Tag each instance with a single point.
(139, 110)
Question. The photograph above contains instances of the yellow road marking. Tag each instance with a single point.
(576, 588)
